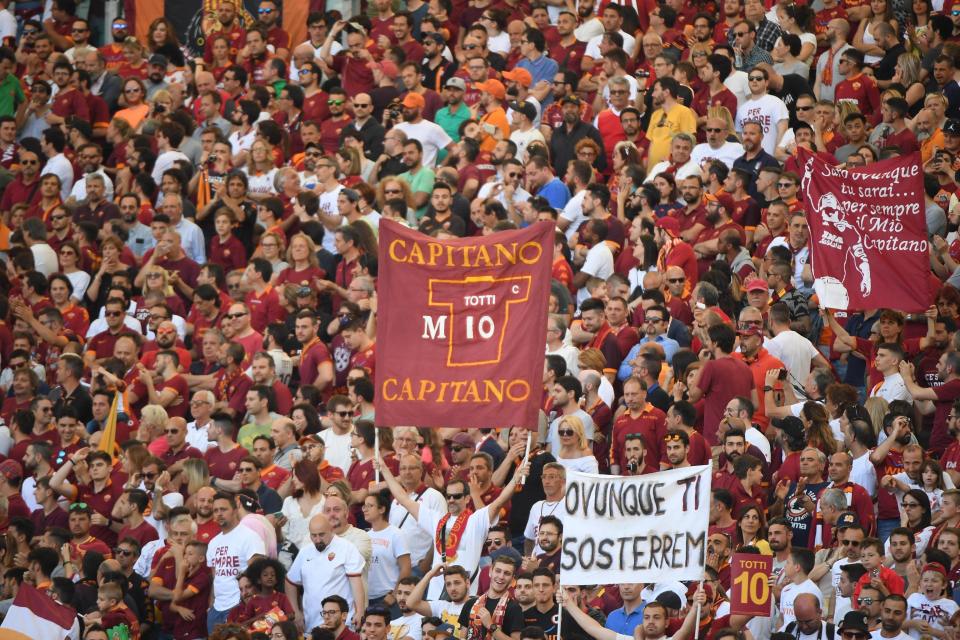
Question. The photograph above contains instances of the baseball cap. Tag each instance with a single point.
(311, 439)
(570, 99)
(790, 425)
(952, 127)
(413, 100)
(526, 108)
(755, 284)
(725, 200)
(935, 567)
(669, 224)
(854, 621)
(507, 551)
(521, 76)
(463, 439)
(847, 519)
(494, 87)
(456, 83)
(11, 469)
(387, 68)
(158, 59)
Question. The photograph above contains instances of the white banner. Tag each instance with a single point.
(647, 528)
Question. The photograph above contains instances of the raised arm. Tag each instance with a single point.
(415, 600)
(508, 491)
(399, 494)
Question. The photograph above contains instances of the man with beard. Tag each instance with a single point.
(456, 583)
(598, 332)
(269, 18)
(409, 622)
(485, 616)
(893, 614)
(365, 127)
(630, 119)
(523, 594)
(594, 258)
(714, 93)
(942, 397)
(173, 390)
(569, 49)
(717, 146)
(754, 156)
(156, 70)
(800, 507)
(90, 160)
(69, 101)
(139, 238)
(231, 29)
(718, 218)
(676, 446)
(654, 620)
(637, 418)
(420, 178)
(95, 207)
(452, 116)
(780, 537)
(669, 118)
(112, 52)
(25, 186)
(230, 553)
(571, 130)
(431, 136)
(244, 117)
(890, 459)
(492, 95)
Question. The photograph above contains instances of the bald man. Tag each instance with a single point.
(332, 566)
(807, 610)
(337, 512)
(365, 127)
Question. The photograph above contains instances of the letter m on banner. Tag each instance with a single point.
(461, 327)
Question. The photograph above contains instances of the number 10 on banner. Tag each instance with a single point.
(750, 579)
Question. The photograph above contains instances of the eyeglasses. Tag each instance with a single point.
(676, 280)
(335, 102)
(113, 314)
(653, 319)
(850, 543)
(565, 432)
(756, 78)
(234, 316)
(785, 185)
(455, 496)
(331, 612)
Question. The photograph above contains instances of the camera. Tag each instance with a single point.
(632, 466)
(395, 114)
(782, 375)
(159, 108)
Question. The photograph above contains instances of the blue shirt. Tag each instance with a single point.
(543, 68)
(670, 347)
(556, 193)
(622, 622)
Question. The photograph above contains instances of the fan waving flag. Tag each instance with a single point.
(461, 327)
(36, 616)
(868, 238)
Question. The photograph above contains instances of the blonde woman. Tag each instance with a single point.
(157, 280)
(304, 269)
(575, 453)
(196, 474)
(393, 189)
(260, 170)
(153, 421)
(907, 75)
(350, 166)
(272, 248)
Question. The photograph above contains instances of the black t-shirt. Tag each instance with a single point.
(887, 66)
(532, 491)
(793, 87)
(533, 617)
(512, 616)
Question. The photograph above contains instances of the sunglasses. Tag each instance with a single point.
(804, 108)
(566, 432)
(756, 79)
(61, 217)
(654, 320)
(714, 130)
(79, 506)
(234, 316)
(304, 72)
(455, 496)
(113, 314)
(150, 476)
(785, 185)
(909, 505)
(676, 280)
(850, 543)
(344, 414)
(122, 552)
(673, 437)
(132, 90)
(335, 102)
(457, 448)
(29, 162)
(172, 432)
(360, 105)
(264, 11)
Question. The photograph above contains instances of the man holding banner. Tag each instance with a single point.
(654, 626)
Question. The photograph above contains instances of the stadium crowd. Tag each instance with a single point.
(189, 234)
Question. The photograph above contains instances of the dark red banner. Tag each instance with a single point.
(868, 236)
(750, 584)
(461, 327)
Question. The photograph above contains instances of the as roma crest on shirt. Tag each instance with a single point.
(856, 85)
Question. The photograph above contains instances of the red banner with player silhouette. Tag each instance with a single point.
(461, 326)
(868, 237)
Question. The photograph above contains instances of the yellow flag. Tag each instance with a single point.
(108, 440)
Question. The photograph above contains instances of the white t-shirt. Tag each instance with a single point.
(79, 191)
(933, 612)
(573, 211)
(337, 449)
(756, 438)
(593, 46)
(406, 626)
(8, 24)
(261, 182)
(687, 170)
(418, 541)
(325, 573)
(540, 510)
(703, 154)
(240, 143)
(585, 464)
(228, 554)
(790, 593)
(892, 388)
(431, 136)
(864, 473)
(468, 551)
(388, 545)
(769, 110)
(448, 612)
(739, 85)
(45, 259)
(878, 635)
(599, 264)
(328, 205)
(523, 138)
(61, 167)
(166, 161)
(795, 351)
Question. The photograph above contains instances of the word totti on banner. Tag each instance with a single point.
(750, 584)
(648, 528)
(868, 238)
(461, 327)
